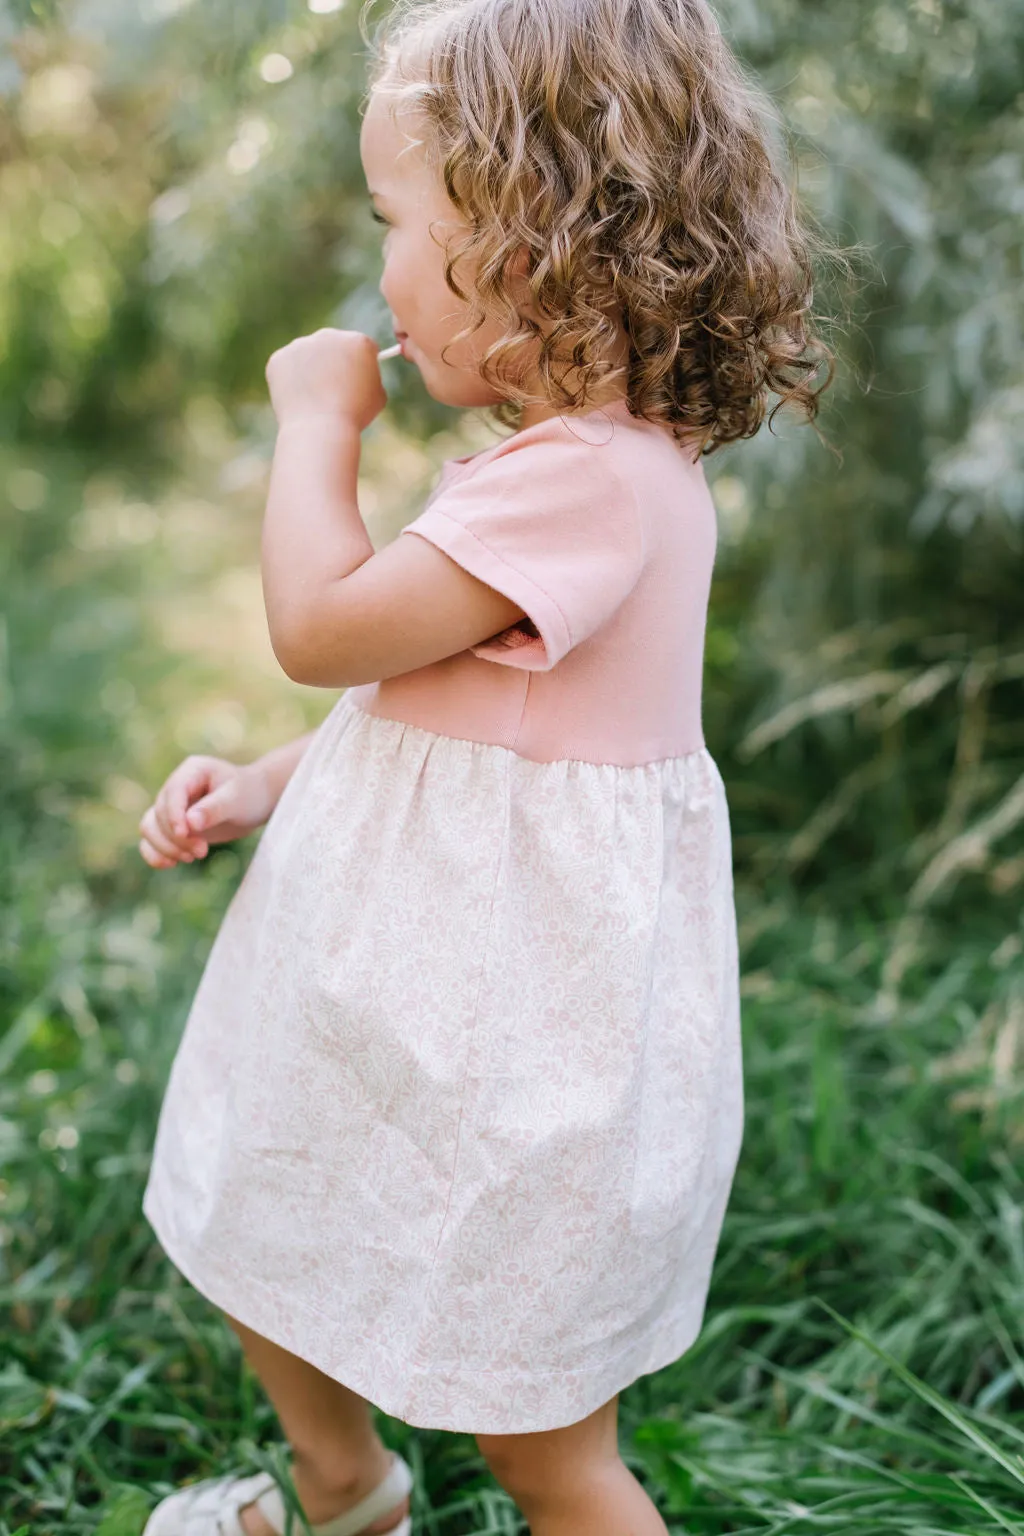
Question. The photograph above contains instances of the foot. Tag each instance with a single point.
(322, 1503)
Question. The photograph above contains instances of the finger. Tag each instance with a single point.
(181, 840)
(188, 845)
(212, 808)
(151, 829)
(177, 794)
(156, 860)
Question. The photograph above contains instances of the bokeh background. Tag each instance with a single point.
(181, 193)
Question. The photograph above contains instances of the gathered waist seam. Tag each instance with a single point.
(655, 762)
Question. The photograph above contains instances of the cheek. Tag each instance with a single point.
(390, 282)
(396, 267)
(405, 284)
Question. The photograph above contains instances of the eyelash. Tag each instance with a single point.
(377, 218)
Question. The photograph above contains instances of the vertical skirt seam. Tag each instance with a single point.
(499, 867)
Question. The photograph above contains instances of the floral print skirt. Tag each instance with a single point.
(458, 1103)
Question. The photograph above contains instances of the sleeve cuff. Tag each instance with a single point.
(480, 561)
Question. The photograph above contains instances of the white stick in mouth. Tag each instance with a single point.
(389, 352)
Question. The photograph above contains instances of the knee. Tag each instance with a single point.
(535, 1473)
(513, 1464)
(537, 1468)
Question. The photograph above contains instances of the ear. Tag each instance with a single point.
(520, 264)
(519, 272)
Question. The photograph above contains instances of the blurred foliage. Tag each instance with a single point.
(182, 193)
(168, 167)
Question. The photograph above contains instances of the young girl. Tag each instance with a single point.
(453, 1123)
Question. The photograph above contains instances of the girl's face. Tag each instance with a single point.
(413, 201)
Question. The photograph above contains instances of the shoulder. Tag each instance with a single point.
(574, 455)
(597, 431)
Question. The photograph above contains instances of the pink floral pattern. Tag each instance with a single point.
(458, 1104)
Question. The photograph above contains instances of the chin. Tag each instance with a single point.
(472, 394)
(460, 396)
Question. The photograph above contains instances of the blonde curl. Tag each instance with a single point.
(621, 143)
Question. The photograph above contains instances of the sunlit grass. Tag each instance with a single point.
(860, 1368)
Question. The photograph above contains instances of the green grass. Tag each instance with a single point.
(861, 1365)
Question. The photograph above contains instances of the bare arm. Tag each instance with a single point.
(313, 534)
(340, 615)
(278, 765)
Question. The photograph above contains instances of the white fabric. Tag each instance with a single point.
(458, 1103)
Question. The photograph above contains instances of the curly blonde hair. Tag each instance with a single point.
(622, 144)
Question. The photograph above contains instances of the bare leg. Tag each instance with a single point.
(337, 1455)
(572, 1481)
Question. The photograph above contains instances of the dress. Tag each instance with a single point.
(458, 1103)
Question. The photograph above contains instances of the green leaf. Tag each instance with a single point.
(125, 1512)
(1011, 1464)
(23, 1400)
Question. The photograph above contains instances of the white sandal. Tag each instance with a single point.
(211, 1507)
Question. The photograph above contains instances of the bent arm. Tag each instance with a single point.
(313, 534)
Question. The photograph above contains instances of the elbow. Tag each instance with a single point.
(302, 662)
(314, 674)
(295, 670)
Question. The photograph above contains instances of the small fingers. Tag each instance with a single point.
(197, 783)
(154, 834)
(172, 801)
(172, 813)
(208, 811)
(154, 859)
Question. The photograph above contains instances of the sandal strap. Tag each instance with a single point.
(380, 1501)
(214, 1503)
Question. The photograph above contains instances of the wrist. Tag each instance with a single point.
(266, 783)
(272, 771)
(320, 423)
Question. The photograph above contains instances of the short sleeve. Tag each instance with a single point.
(554, 525)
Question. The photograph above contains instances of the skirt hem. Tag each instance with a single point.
(490, 1397)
